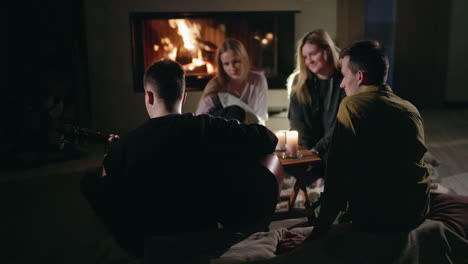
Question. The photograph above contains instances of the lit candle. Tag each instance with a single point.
(281, 135)
(291, 143)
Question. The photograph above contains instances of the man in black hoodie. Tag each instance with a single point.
(170, 182)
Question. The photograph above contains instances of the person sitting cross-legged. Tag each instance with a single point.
(374, 126)
(169, 184)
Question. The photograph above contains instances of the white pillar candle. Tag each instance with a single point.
(292, 143)
(281, 135)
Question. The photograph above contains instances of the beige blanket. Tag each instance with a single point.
(431, 242)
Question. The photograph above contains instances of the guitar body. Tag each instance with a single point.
(246, 204)
(250, 201)
(273, 164)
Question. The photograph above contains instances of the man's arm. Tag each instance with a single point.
(336, 192)
(254, 139)
(236, 139)
(112, 178)
(99, 187)
(111, 139)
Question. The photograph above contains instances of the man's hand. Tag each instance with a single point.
(290, 241)
(314, 151)
(112, 138)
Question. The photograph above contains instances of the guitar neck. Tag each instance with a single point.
(85, 133)
(96, 135)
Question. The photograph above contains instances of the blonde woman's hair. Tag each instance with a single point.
(297, 81)
(221, 80)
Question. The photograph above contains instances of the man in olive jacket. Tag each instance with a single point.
(376, 155)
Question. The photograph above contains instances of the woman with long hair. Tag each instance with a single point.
(314, 91)
(236, 91)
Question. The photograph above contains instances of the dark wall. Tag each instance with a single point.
(380, 25)
(421, 51)
(351, 21)
(46, 57)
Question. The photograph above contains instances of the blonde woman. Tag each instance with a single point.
(315, 92)
(235, 92)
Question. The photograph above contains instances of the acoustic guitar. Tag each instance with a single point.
(250, 211)
(79, 135)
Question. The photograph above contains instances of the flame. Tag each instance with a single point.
(167, 43)
(197, 62)
(210, 68)
(169, 48)
(188, 31)
(173, 54)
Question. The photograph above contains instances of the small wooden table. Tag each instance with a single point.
(297, 167)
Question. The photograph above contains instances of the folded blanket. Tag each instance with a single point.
(431, 242)
(228, 99)
(258, 246)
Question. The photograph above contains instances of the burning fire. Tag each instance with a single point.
(169, 48)
(190, 33)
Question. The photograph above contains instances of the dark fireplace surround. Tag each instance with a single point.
(192, 39)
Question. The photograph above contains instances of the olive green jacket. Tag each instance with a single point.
(376, 163)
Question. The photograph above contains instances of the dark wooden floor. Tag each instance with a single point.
(46, 219)
(447, 139)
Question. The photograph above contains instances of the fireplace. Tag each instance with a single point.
(193, 38)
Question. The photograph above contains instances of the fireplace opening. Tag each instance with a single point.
(193, 38)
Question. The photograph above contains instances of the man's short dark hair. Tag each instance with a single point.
(368, 56)
(167, 79)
